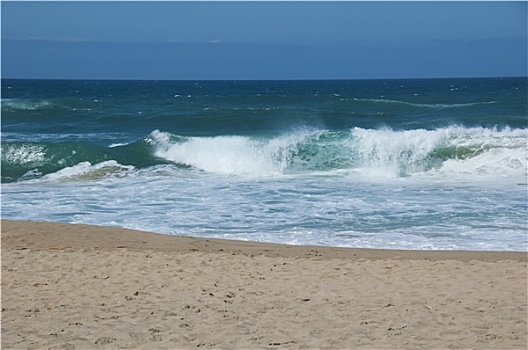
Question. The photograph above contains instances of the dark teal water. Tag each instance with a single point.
(438, 163)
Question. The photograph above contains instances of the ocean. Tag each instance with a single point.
(397, 164)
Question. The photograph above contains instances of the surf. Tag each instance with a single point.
(418, 164)
(453, 151)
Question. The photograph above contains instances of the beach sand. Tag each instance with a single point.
(88, 287)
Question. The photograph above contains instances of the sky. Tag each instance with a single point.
(262, 40)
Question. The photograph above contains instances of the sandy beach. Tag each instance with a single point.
(88, 287)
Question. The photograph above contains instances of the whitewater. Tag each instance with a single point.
(371, 164)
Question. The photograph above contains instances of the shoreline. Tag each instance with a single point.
(69, 286)
(80, 236)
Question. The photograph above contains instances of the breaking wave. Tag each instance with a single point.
(469, 153)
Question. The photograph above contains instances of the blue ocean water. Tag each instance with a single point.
(401, 164)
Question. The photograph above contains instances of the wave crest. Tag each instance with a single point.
(25, 104)
(470, 151)
(421, 105)
(231, 155)
(444, 154)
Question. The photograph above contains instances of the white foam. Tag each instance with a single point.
(304, 208)
(496, 153)
(229, 155)
(25, 104)
(118, 144)
(372, 153)
(23, 154)
(395, 153)
(86, 171)
(490, 165)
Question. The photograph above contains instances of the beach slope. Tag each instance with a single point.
(88, 287)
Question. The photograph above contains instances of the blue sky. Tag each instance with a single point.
(263, 40)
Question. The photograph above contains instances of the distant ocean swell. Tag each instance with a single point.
(247, 114)
(21, 104)
(466, 153)
(421, 105)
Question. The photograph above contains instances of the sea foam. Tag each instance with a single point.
(86, 171)
(231, 155)
(457, 151)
